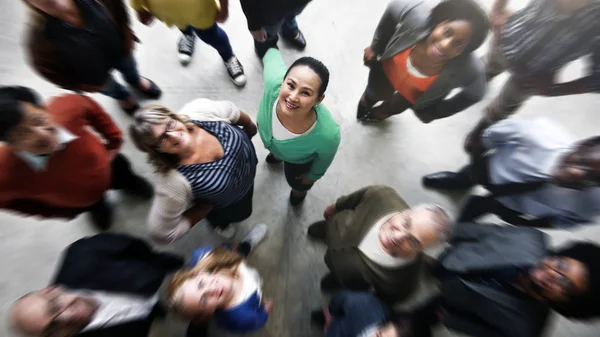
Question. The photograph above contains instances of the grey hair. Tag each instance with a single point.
(444, 223)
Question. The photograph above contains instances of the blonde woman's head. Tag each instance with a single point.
(162, 134)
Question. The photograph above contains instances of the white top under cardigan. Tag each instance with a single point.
(173, 193)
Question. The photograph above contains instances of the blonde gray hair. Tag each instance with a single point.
(443, 221)
(146, 141)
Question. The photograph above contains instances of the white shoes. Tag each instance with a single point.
(227, 233)
(256, 235)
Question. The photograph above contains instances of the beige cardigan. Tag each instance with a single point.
(173, 193)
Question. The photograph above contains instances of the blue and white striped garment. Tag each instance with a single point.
(227, 180)
(539, 40)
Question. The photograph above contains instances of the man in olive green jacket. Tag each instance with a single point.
(375, 240)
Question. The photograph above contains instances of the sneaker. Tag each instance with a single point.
(185, 48)
(296, 199)
(235, 70)
(256, 235)
(227, 232)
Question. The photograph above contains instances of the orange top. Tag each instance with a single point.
(407, 85)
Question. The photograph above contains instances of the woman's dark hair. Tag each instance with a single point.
(317, 66)
(467, 10)
(11, 110)
(583, 306)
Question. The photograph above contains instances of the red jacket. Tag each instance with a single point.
(76, 176)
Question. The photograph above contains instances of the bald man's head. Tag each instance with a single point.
(53, 312)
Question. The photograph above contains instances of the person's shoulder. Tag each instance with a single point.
(326, 122)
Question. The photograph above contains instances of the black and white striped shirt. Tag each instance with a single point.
(226, 180)
(539, 39)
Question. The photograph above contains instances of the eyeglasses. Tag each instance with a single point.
(55, 309)
(408, 240)
(162, 139)
(560, 267)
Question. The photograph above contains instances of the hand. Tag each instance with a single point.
(369, 56)
(145, 17)
(251, 130)
(306, 180)
(268, 305)
(112, 154)
(329, 212)
(222, 14)
(497, 20)
(259, 35)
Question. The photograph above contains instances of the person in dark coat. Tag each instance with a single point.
(106, 286)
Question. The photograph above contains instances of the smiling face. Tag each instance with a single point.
(299, 91)
(557, 278)
(172, 137)
(204, 293)
(406, 234)
(53, 311)
(448, 40)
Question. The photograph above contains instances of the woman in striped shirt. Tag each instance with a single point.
(205, 165)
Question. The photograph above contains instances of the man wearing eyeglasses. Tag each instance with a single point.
(375, 240)
(502, 281)
(60, 157)
(538, 175)
(106, 286)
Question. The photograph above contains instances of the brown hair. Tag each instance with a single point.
(144, 139)
(219, 260)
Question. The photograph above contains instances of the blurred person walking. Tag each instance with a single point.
(76, 44)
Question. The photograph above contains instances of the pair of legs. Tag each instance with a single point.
(243, 248)
(129, 70)
(221, 218)
(292, 176)
(288, 27)
(216, 37)
(380, 89)
(122, 178)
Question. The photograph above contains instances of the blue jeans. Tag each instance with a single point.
(128, 68)
(286, 26)
(215, 37)
(353, 312)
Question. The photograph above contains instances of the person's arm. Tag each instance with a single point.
(247, 124)
(499, 5)
(223, 12)
(101, 122)
(387, 25)
(324, 158)
(274, 68)
(351, 201)
(204, 109)
(253, 14)
(504, 132)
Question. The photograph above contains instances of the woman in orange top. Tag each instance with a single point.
(419, 55)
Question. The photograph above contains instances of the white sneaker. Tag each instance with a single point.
(227, 233)
(256, 235)
(235, 71)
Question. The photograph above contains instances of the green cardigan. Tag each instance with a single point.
(318, 146)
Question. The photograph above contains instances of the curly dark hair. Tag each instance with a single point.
(467, 10)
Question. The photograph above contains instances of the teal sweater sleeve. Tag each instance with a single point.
(274, 69)
(324, 156)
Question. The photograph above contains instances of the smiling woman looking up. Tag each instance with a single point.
(293, 124)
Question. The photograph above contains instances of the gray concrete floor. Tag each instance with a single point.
(396, 152)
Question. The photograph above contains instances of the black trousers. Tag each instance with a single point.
(425, 317)
(236, 212)
(476, 206)
(292, 171)
(379, 88)
(122, 177)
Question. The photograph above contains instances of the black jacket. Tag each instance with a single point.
(116, 263)
(260, 13)
(481, 310)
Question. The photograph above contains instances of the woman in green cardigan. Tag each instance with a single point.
(293, 124)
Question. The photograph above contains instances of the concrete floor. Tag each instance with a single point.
(396, 152)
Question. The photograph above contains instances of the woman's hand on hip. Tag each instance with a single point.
(259, 35)
(251, 130)
(369, 56)
(330, 211)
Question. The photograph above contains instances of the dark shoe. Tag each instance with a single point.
(153, 92)
(447, 181)
(330, 284)
(297, 40)
(318, 230)
(235, 71)
(185, 48)
(317, 317)
(296, 200)
(140, 187)
(129, 110)
(271, 159)
(101, 214)
(361, 111)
